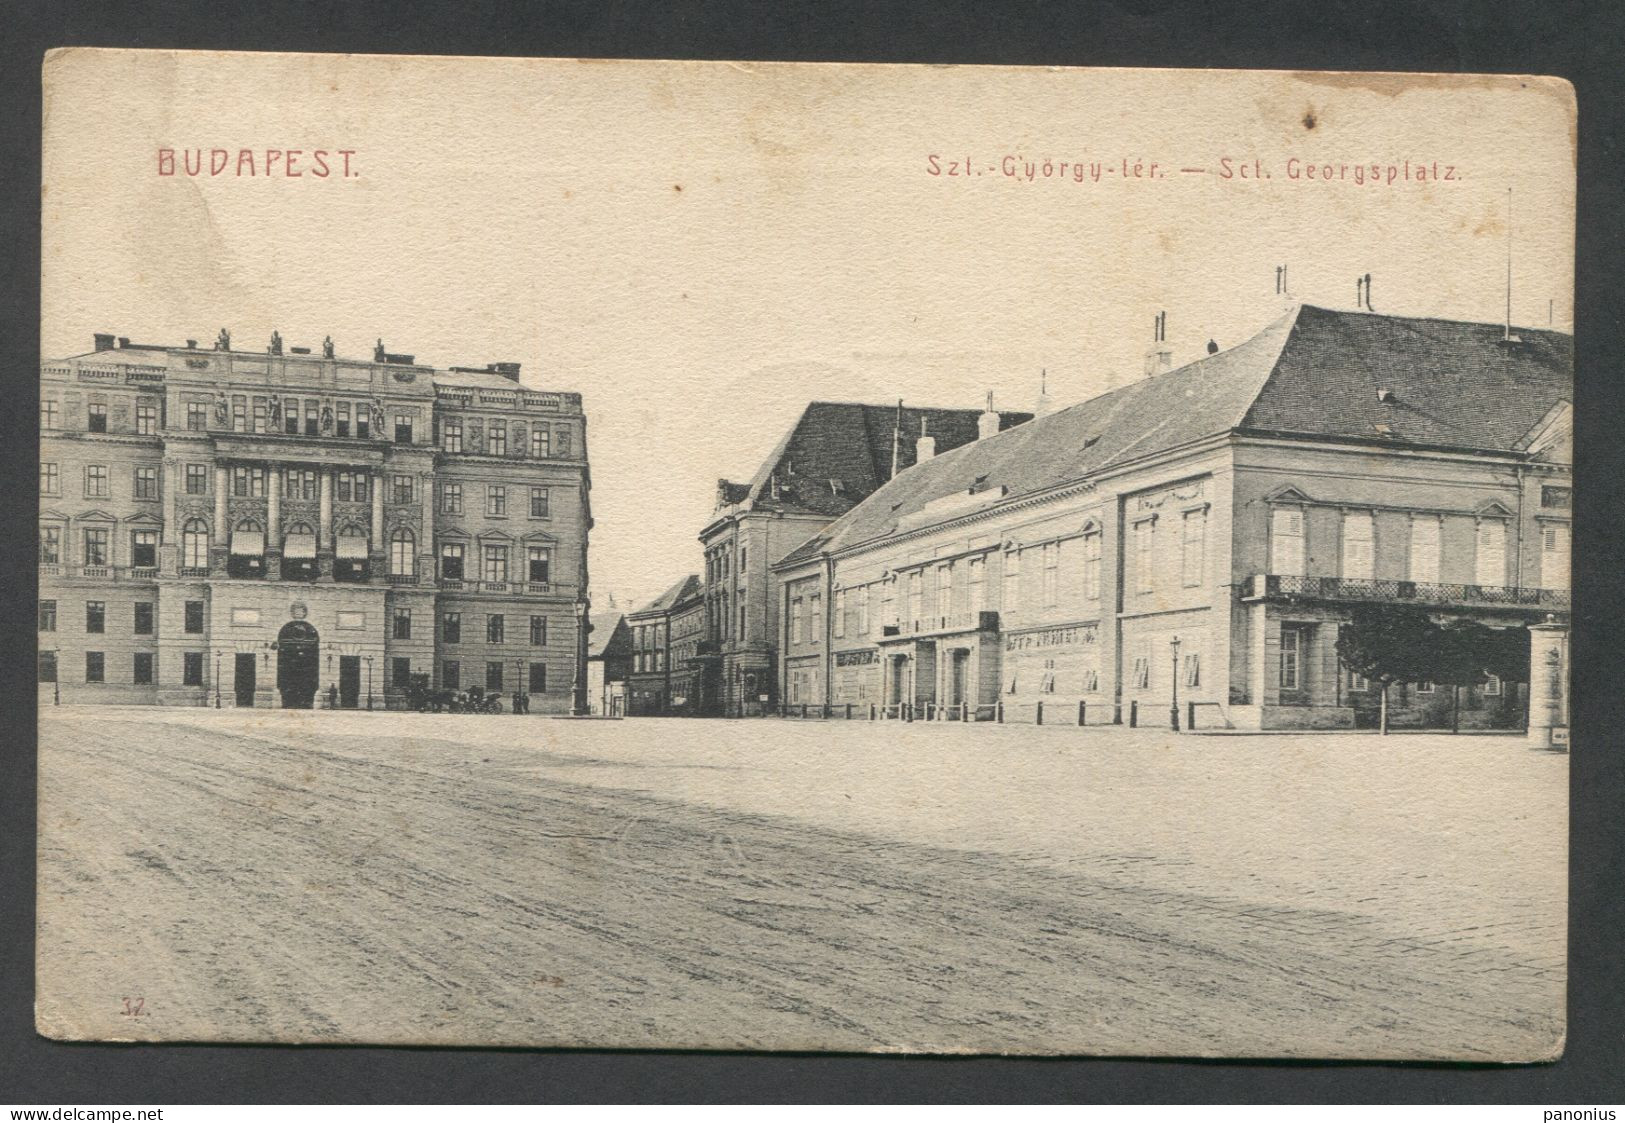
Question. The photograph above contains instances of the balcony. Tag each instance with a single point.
(943, 625)
(1349, 590)
(403, 579)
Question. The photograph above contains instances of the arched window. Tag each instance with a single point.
(195, 544)
(402, 553)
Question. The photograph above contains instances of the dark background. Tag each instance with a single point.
(1579, 41)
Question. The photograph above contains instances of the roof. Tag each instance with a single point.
(608, 636)
(838, 453)
(685, 589)
(1313, 373)
(477, 378)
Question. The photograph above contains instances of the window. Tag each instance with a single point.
(538, 678)
(795, 619)
(863, 611)
(1052, 573)
(247, 482)
(403, 623)
(496, 500)
(540, 441)
(192, 668)
(1490, 566)
(451, 675)
(1286, 541)
(50, 545)
(301, 483)
(50, 479)
(538, 560)
(400, 673)
(888, 602)
(403, 429)
(239, 414)
(1142, 672)
(197, 416)
(741, 632)
(451, 627)
(493, 675)
(95, 616)
(47, 666)
(497, 441)
(48, 413)
(350, 486)
(916, 595)
(815, 609)
(538, 503)
(146, 483)
(1192, 549)
(144, 549)
(1145, 561)
(141, 668)
(1291, 659)
(403, 488)
(95, 666)
(1560, 498)
(495, 563)
(290, 417)
(1554, 556)
(1492, 686)
(451, 561)
(451, 435)
(363, 420)
(1424, 565)
(197, 479)
(1091, 566)
(47, 615)
(402, 553)
(451, 499)
(195, 544)
(146, 420)
(1193, 670)
(194, 617)
(97, 417)
(975, 586)
(1358, 553)
(342, 419)
(494, 627)
(259, 415)
(96, 545)
(839, 620)
(1358, 683)
(538, 631)
(563, 441)
(96, 480)
(945, 588)
(313, 417)
(1424, 687)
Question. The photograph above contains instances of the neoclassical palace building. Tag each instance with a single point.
(284, 528)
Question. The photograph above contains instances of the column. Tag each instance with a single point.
(273, 521)
(220, 540)
(324, 524)
(376, 555)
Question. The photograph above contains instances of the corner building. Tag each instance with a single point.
(1240, 504)
(288, 529)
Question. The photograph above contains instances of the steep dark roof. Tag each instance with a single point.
(1314, 373)
(686, 589)
(850, 444)
(609, 636)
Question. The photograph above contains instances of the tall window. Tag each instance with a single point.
(247, 482)
(95, 616)
(193, 619)
(493, 675)
(496, 499)
(497, 439)
(888, 602)
(50, 545)
(494, 627)
(403, 488)
(1491, 564)
(1358, 551)
(403, 623)
(95, 666)
(197, 479)
(451, 675)
(538, 678)
(97, 417)
(795, 619)
(144, 549)
(146, 420)
(1011, 592)
(1424, 548)
(539, 441)
(451, 561)
(563, 440)
(863, 610)
(1286, 541)
(197, 416)
(1145, 561)
(403, 429)
(839, 619)
(916, 595)
(538, 631)
(538, 503)
(1052, 573)
(976, 585)
(1091, 566)
(146, 483)
(195, 544)
(451, 627)
(1192, 548)
(351, 486)
(47, 615)
(290, 417)
(1291, 659)
(341, 419)
(363, 420)
(945, 589)
(96, 481)
(451, 434)
(191, 668)
(1554, 556)
(142, 622)
(313, 417)
(402, 553)
(400, 672)
(96, 545)
(48, 415)
(239, 414)
(538, 564)
(260, 414)
(495, 563)
(301, 483)
(50, 479)
(451, 499)
(815, 613)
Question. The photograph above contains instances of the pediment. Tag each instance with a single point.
(1492, 509)
(495, 536)
(96, 516)
(1286, 493)
(146, 518)
(51, 514)
(540, 536)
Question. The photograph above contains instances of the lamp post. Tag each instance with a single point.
(217, 678)
(369, 682)
(56, 675)
(1173, 706)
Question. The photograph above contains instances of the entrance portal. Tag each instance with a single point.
(297, 665)
(245, 679)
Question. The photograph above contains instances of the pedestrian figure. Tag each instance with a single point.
(332, 696)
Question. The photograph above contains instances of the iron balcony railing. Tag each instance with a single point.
(1348, 589)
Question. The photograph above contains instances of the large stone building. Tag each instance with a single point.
(667, 634)
(834, 457)
(277, 528)
(1238, 505)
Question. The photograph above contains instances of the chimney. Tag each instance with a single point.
(104, 341)
(925, 447)
(1159, 358)
(123, 341)
(988, 423)
(191, 345)
(506, 370)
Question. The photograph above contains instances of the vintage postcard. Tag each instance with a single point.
(804, 557)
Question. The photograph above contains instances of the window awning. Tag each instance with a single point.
(352, 546)
(248, 543)
(299, 546)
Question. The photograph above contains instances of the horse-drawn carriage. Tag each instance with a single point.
(423, 698)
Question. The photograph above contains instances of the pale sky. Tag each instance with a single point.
(702, 248)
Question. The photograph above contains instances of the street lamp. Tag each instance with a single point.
(217, 678)
(56, 675)
(1173, 707)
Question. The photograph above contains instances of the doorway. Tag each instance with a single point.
(246, 665)
(957, 662)
(349, 681)
(296, 665)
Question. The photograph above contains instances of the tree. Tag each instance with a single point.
(1460, 651)
(1388, 643)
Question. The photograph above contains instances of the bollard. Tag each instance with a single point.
(1190, 716)
(907, 710)
(1117, 713)
(871, 711)
(1134, 713)
(964, 712)
(1082, 712)
(849, 711)
(803, 711)
(998, 712)
(1039, 719)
